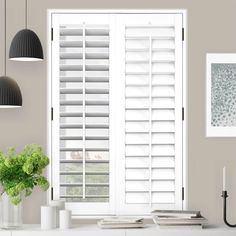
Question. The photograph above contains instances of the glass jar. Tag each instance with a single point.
(11, 215)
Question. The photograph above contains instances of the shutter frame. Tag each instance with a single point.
(90, 79)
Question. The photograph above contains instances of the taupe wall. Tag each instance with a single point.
(211, 28)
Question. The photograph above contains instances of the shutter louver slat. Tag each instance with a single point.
(87, 196)
(84, 112)
(80, 161)
(81, 184)
(80, 173)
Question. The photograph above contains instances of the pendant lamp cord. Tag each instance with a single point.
(26, 14)
(5, 39)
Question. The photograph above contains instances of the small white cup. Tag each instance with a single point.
(65, 219)
(48, 217)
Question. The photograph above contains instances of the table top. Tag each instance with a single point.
(94, 227)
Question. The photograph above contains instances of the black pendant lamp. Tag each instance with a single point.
(26, 45)
(10, 94)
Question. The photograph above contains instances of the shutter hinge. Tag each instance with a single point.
(182, 193)
(51, 113)
(51, 193)
(182, 34)
(182, 113)
(51, 34)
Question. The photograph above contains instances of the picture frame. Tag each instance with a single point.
(221, 95)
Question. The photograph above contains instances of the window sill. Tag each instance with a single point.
(93, 229)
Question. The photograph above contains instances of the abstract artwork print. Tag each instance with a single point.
(223, 94)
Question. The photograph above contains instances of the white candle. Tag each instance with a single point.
(65, 219)
(224, 179)
(48, 217)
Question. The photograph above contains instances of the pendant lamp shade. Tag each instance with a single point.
(26, 46)
(10, 94)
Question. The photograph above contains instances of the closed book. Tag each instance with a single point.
(179, 221)
(120, 225)
(188, 227)
(117, 223)
(177, 213)
(122, 219)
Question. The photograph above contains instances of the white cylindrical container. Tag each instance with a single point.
(48, 217)
(65, 219)
(60, 205)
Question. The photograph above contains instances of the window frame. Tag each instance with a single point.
(51, 12)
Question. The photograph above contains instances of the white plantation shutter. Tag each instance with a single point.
(82, 114)
(117, 104)
(152, 47)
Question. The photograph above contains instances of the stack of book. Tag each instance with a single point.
(178, 219)
(120, 222)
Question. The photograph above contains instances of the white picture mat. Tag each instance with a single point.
(213, 131)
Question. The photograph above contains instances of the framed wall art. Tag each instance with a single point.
(221, 95)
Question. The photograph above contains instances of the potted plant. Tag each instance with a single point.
(19, 174)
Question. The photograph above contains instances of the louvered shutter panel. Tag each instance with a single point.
(84, 112)
(153, 110)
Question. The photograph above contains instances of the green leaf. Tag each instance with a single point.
(15, 200)
(28, 192)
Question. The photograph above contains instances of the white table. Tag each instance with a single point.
(94, 230)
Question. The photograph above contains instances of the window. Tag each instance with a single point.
(116, 90)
